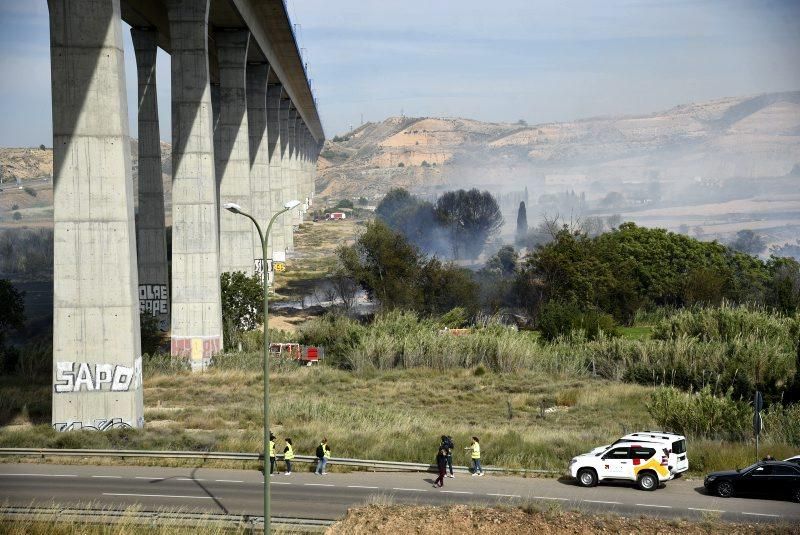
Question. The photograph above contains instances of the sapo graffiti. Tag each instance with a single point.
(86, 377)
(101, 424)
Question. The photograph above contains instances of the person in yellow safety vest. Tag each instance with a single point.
(271, 453)
(323, 454)
(288, 455)
(475, 454)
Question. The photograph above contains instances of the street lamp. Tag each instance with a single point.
(236, 209)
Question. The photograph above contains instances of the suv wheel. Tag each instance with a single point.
(587, 477)
(647, 481)
(724, 489)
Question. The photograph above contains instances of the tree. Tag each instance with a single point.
(344, 203)
(12, 311)
(522, 222)
(385, 265)
(748, 242)
(470, 217)
(242, 302)
(362, 201)
(445, 286)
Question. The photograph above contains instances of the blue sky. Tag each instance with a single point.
(495, 61)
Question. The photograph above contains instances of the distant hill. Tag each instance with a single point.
(737, 137)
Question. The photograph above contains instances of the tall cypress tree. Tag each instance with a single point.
(522, 222)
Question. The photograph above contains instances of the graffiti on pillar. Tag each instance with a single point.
(154, 298)
(100, 424)
(84, 377)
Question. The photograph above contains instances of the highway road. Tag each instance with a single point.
(305, 495)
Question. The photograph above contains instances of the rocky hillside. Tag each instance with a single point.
(741, 138)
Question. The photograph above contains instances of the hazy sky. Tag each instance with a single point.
(495, 61)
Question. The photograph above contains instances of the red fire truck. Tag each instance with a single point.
(305, 355)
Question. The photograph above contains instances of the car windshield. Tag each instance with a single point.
(751, 467)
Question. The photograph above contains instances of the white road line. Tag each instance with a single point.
(549, 498)
(157, 495)
(505, 495)
(761, 514)
(187, 479)
(150, 478)
(280, 483)
(456, 492)
(228, 481)
(653, 505)
(410, 490)
(706, 510)
(360, 487)
(39, 475)
(314, 484)
(108, 477)
(601, 501)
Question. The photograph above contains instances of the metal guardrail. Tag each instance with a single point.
(153, 518)
(232, 456)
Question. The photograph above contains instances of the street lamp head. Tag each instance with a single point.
(291, 204)
(232, 207)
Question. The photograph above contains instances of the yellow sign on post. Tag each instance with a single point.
(280, 267)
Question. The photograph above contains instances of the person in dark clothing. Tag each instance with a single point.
(448, 445)
(441, 463)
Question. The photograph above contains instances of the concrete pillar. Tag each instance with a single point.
(196, 306)
(97, 366)
(301, 193)
(278, 238)
(151, 235)
(286, 175)
(260, 207)
(294, 175)
(232, 152)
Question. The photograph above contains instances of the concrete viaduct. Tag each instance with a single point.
(245, 129)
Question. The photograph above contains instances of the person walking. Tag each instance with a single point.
(271, 453)
(449, 446)
(323, 454)
(475, 454)
(441, 463)
(288, 455)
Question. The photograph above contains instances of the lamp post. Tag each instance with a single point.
(236, 209)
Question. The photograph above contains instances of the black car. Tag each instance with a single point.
(775, 479)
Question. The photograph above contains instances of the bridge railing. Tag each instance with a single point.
(389, 466)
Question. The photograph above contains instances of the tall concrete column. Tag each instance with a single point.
(286, 177)
(298, 136)
(232, 152)
(278, 238)
(151, 235)
(97, 366)
(196, 306)
(294, 176)
(257, 76)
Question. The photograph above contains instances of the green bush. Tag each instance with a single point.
(558, 319)
(701, 414)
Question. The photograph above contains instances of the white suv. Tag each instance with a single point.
(675, 445)
(646, 463)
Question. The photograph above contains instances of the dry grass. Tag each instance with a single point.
(423, 520)
(393, 415)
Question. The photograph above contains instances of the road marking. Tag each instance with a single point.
(410, 490)
(761, 514)
(157, 495)
(228, 481)
(280, 483)
(314, 484)
(39, 475)
(601, 501)
(150, 478)
(653, 505)
(505, 495)
(706, 510)
(360, 487)
(187, 479)
(549, 498)
(109, 477)
(456, 492)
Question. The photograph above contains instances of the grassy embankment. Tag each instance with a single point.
(401, 385)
